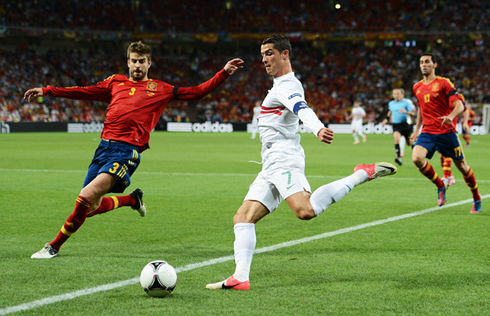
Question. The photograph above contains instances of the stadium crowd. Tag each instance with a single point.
(334, 73)
(225, 16)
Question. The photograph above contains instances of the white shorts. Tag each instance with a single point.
(282, 175)
(357, 126)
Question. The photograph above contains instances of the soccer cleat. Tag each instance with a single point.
(139, 206)
(47, 252)
(356, 142)
(230, 284)
(451, 181)
(377, 170)
(364, 138)
(476, 208)
(441, 195)
(398, 160)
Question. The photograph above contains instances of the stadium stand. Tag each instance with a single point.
(336, 68)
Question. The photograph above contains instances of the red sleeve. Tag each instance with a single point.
(198, 92)
(100, 92)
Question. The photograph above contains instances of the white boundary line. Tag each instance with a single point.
(111, 286)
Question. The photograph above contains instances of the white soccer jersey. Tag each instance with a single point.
(357, 115)
(281, 110)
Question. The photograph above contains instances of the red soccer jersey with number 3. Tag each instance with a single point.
(436, 99)
(135, 106)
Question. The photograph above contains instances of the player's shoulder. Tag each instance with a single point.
(116, 78)
(444, 80)
(418, 84)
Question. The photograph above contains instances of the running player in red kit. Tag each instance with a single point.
(135, 106)
(439, 106)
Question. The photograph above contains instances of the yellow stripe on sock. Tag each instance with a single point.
(116, 202)
(65, 232)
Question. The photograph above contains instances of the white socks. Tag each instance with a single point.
(331, 193)
(245, 241)
(402, 145)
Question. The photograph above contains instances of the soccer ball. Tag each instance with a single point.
(158, 278)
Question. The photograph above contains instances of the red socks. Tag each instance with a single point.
(431, 174)
(73, 222)
(111, 203)
(470, 180)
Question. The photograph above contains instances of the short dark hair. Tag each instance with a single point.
(140, 49)
(280, 43)
(431, 56)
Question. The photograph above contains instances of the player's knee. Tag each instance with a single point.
(418, 161)
(305, 213)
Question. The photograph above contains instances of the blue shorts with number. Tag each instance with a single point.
(447, 144)
(115, 158)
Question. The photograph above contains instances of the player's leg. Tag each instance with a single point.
(355, 136)
(402, 146)
(419, 155)
(469, 178)
(360, 132)
(134, 199)
(306, 207)
(447, 174)
(89, 196)
(261, 199)
(466, 137)
(396, 138)
(121, 161)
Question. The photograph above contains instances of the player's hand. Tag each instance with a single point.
(414, 137)
(446, 120)
(32, 93)
(233, 65)
(325, 135)
(466, 126)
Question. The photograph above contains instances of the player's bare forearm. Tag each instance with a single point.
(233, 65)
(33, 93)
(325, 135)
(458, 109)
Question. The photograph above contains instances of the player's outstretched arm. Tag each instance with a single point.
(233, 65)
(33, 93)
(325, 135)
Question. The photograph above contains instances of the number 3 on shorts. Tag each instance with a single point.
(114, 169)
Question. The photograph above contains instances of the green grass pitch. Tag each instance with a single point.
(435, 263)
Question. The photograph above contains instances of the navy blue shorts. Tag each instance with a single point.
(117, 159)
(447, 144)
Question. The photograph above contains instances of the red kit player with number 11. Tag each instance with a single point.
(135, 106)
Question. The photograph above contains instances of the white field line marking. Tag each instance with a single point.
(111, 286)
(207, 174)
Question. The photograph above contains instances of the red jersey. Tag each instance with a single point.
(436, 99)
(135, 106)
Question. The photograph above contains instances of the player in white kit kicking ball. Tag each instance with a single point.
(283, 162)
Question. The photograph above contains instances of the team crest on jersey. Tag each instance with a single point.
(435, 87)
(152, 86)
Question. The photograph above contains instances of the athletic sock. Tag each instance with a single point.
(431, 174)
(333, 192)
(244, 245)
(72, 223)
(110, 203)
(397, 150)
(446, 167)
(402, 145)
(470, 180)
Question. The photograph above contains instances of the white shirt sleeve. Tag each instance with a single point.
(291, 95)
(310, 120)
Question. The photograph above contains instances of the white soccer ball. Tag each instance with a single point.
(158, 278)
